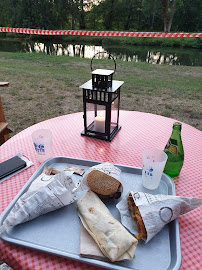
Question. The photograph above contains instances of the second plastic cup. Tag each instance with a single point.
(153, 164)
(42, 140)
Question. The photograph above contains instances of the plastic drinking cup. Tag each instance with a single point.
(154, 161)
(42, 140)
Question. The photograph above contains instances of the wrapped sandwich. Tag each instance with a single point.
(114, 241)
(103, 179)
(45, 194)
(145, 215)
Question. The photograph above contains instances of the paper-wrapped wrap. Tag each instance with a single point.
(156, 211)
(46, 193)
(113, 239)
(103, 179)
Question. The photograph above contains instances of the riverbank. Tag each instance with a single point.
(44, 86)
(179, 42)
(195, 43)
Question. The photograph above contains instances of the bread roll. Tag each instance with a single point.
(102, 183)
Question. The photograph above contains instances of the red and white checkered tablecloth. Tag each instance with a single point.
(139, 131)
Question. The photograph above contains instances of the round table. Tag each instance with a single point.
(139, 131)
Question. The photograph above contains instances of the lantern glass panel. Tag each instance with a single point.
(90, 113)
(95, 117)
(114, 114)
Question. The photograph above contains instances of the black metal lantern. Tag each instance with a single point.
(101, 99)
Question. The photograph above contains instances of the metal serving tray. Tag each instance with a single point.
(58, 232)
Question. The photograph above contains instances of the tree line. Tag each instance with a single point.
(117, 15)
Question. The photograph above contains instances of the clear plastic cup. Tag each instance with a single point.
(153, 164)
(42, 140)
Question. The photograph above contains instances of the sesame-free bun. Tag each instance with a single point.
(102, 183)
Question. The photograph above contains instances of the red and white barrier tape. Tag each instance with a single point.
(96, 33)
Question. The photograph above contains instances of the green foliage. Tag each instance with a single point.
(4, 13)
(188, 15)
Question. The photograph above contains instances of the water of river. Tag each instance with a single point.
(152, 55)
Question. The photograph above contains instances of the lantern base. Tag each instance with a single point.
(102, 137)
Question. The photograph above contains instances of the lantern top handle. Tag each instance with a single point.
(110, 56)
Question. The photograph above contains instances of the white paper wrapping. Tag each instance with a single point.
(47, 193)
(106, 168)
(156, 211)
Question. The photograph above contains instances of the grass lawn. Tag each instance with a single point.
(44, 86)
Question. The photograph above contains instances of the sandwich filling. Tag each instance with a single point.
(136, 216)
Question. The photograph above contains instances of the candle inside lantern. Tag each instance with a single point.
(99, 123)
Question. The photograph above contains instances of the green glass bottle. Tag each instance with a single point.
(175, 152)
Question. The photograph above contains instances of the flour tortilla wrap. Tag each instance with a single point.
(113, 239)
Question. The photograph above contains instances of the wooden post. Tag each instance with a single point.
(4, 130)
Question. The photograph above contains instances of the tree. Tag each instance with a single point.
(107, 9)
(81, 7)
(172, 15)
(165, 10)
(93, 15)
(130, 11)
(152, 14)
(188, 16)
(73, 7)
(5, 13)
(165, 6)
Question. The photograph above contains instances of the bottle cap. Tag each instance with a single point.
(177, 124)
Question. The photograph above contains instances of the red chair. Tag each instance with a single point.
(4, 130)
